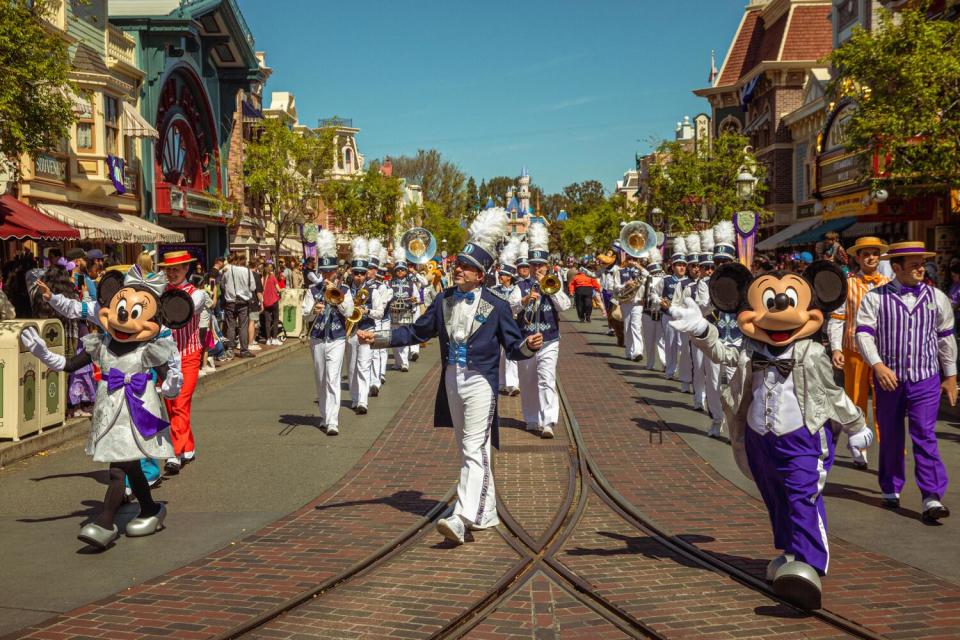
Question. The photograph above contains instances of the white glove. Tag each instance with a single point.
(172, 384)
(687, 318)
(861, 440)
(35, 344)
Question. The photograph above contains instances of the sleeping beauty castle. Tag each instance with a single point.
(519, 207)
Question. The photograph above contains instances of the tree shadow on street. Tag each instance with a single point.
(409, 501)
(101, 476)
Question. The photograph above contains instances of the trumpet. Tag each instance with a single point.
(332, 295)
(354, 318)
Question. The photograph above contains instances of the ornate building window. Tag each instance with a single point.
(86, 138)
(348, 158)
(111, 125)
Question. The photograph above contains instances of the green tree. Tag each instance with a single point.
(287, 169)
(904, 78)
(441, 180)
(583, 196)
(601, 223)
(693, 187)
(36, 111)
(497, 189)
(368, 205)
(473, 196)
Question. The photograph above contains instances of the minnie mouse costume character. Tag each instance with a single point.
(129, 420)
(778, 403)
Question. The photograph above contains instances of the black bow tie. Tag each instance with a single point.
(784, 367)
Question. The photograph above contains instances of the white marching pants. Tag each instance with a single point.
(378, 363)
(472, 403)
(671, 345)
(415, 348)
(652, 342)
(705, 373)
(509, 372)
(538, 387)
(633, 338)
(327, 365)
(401, 357)
(359, 366)
(685, 358)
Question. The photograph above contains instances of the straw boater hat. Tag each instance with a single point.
(173, 258)
(904, 249)
(867, 242)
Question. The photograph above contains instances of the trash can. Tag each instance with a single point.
(19, 382)
(53, 384)
(290, 301)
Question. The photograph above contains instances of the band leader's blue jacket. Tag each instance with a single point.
(493, 326)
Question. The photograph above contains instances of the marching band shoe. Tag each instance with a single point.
(513, 391)
(933, 510)
(332, 430)
(96, 536)
(776, 563)
(374, 391)
(414, 357)
(798, 583)
(361, 410)
(547, 432)
(452, 529)
(891, 500)
(684, 387)
(172, 466)
(404, 368)
(715, 430)
(146, 526)
(637, 358)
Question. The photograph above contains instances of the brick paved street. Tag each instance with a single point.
(360, 560)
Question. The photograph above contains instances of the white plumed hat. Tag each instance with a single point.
(538, 239)
(326, 250)
(484, 235)
(693, 247)
(706, 246)
(373, 250)
(724, 238)
(679, 250)
(361, 251)
(509, 256)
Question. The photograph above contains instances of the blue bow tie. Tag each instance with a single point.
(461, 295)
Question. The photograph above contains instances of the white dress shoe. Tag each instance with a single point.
(332, 430)
(452, 529)
(547, 432)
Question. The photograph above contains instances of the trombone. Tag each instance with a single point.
(547, 285)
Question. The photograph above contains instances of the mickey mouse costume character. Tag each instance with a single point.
(129, 420)
(778, 403)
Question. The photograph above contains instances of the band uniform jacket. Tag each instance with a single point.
(819, 396)
(493, 325)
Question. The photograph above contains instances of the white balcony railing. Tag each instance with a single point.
(120, 46)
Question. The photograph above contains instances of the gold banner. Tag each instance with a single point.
(852, 204)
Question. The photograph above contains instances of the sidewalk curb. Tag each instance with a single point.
(77, 428)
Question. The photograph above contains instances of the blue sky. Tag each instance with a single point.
(569, 88)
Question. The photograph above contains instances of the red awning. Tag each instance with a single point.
(21, 221)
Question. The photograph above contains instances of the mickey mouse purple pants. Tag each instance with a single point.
(790, 472)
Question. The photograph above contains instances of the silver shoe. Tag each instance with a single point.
(146, 526)
(798, 583)
(96, 536)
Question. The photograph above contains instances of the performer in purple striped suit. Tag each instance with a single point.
(905, 334)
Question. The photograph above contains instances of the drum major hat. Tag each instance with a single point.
(484, 234)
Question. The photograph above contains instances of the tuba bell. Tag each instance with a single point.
(419, 245)
(637, 237)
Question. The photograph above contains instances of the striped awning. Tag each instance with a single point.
(107, 225)
(135, 125)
